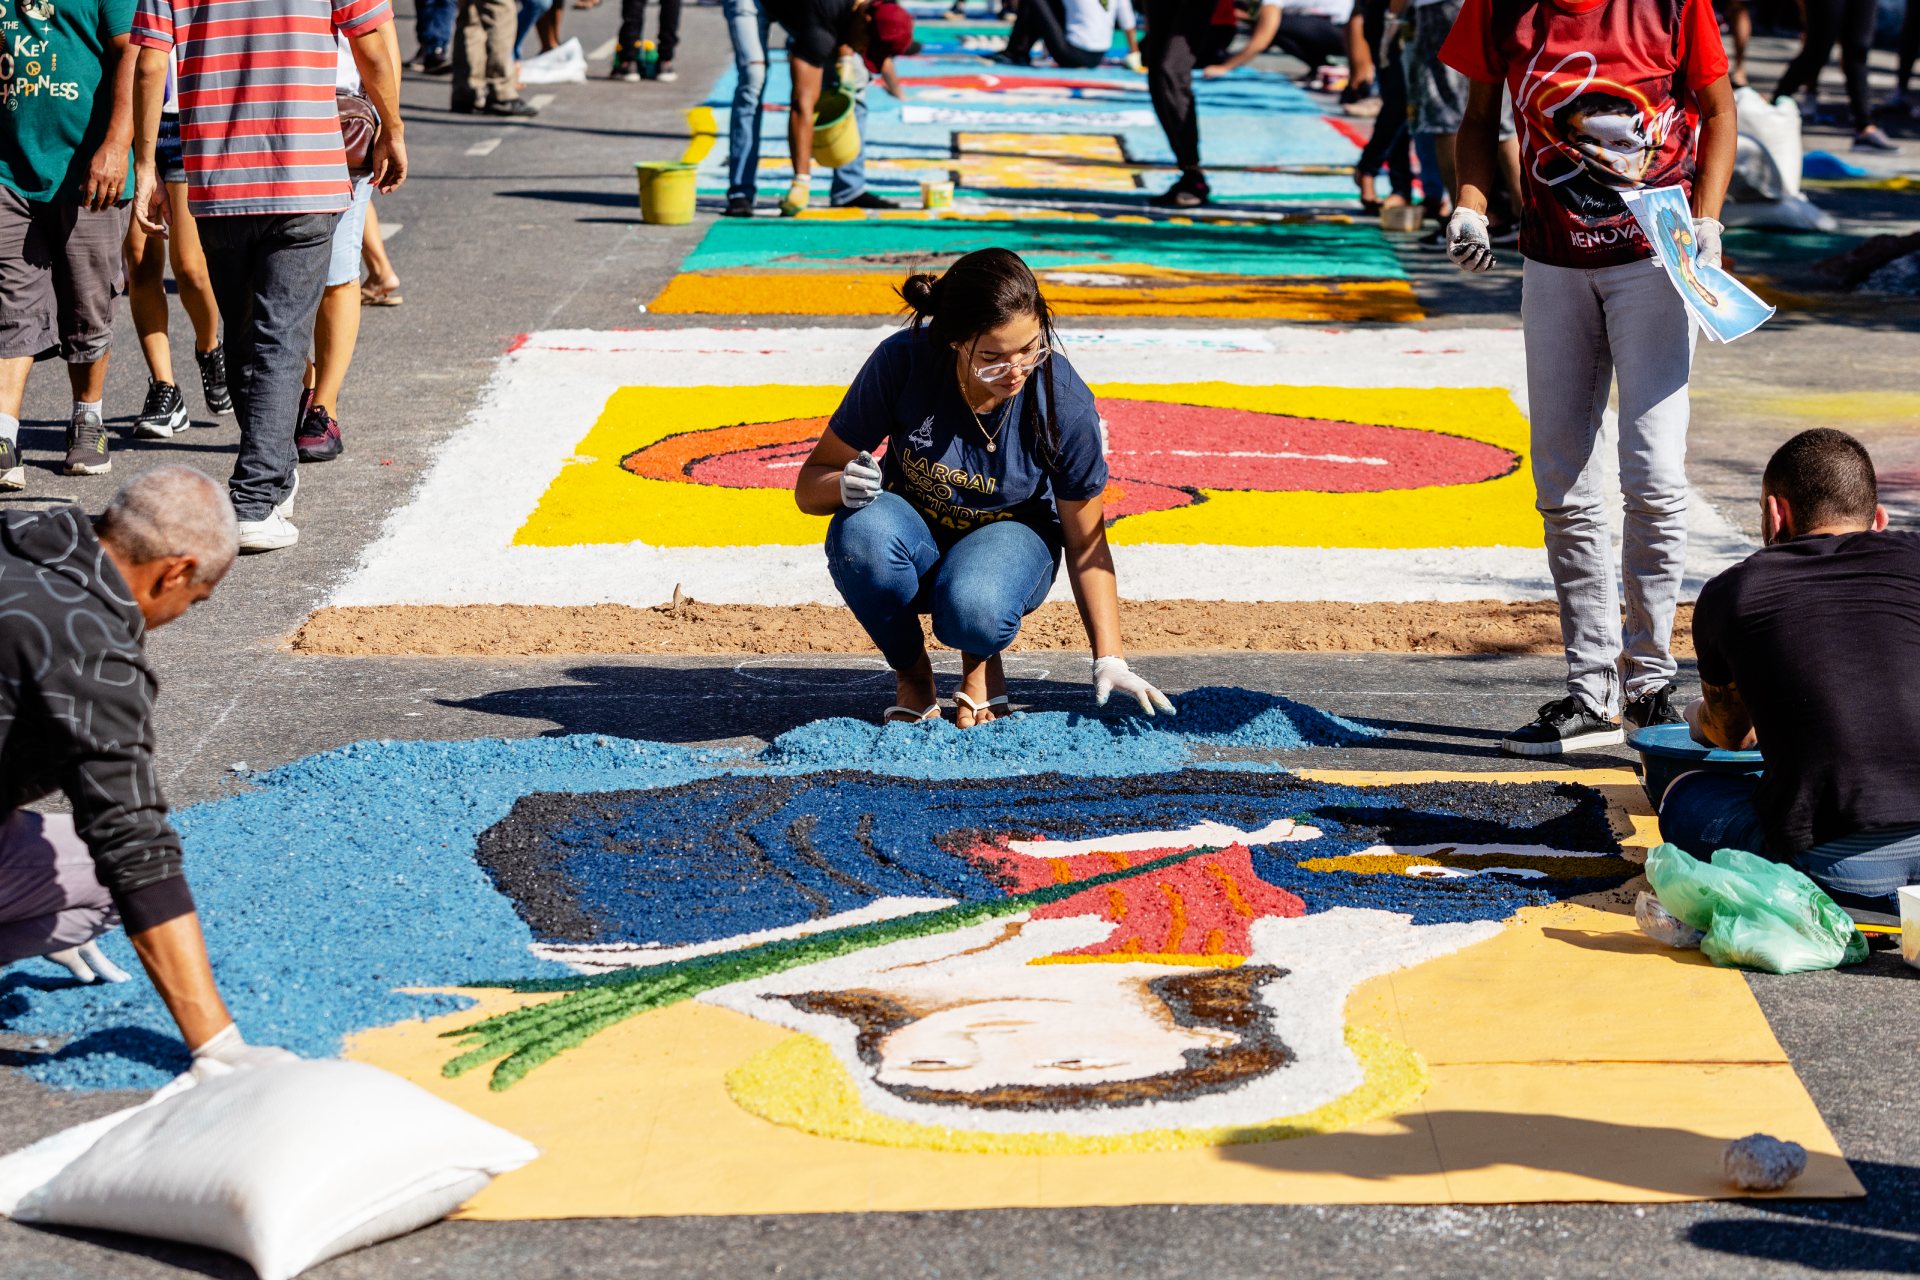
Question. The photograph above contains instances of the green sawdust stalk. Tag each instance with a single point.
(522, 1039)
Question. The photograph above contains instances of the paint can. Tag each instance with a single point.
(1402, 219)
(1910, 925)
(666, 191)
(936, 195)
(836, 134)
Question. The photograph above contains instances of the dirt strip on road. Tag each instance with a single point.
(1152, 626)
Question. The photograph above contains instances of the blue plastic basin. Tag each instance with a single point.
(1668, 750)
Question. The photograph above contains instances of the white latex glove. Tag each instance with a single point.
(1468, 242)
(1110, 676)
(1706, 241)
(797, 197)
(228, 1052)
(86, 963)
(1135, 64)
(859, 482)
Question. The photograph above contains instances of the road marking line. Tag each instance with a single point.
(484, 147)
(388, 230)
(540, 101)
(601, 52)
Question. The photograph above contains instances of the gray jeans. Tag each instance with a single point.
(50, 898)
(1584, 329)
(268, 272)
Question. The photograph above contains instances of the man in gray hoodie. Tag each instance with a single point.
(77, 597)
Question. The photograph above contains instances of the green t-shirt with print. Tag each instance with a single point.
(55, 101)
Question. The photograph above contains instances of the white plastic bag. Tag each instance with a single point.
(285, 1165)
(562, 64)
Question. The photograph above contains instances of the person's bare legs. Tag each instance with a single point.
(13, 384)
(914, 688)
(381, 277)
(547, 27)
(1740, 22)
(89, 381)
(335, 331)
(147, 299)
(981, 679)
(1360, 69)
(190, 270)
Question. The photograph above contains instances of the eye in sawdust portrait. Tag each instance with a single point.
(1156, 961)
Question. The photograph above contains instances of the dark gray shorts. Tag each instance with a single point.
(60, 270)
(50, 898)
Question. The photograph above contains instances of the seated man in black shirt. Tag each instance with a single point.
(877, 30)
(76, 710)
(1810, 648)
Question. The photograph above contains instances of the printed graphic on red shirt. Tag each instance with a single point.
(1603, 104)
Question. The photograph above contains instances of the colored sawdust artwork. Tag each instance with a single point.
(1250, 465)
(1057, 165)
(1055, 961)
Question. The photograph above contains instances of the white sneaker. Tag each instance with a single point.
(270, 534)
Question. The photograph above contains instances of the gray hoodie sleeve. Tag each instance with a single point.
(101, 703)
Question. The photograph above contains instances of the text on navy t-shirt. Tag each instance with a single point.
(907, 396)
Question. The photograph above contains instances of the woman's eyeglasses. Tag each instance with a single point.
(1005, 369)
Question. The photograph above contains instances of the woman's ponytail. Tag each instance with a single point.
(921, 293)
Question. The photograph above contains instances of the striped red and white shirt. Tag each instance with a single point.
(258, 121)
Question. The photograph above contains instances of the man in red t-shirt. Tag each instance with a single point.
(1607, 97)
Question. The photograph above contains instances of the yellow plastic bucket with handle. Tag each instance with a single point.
(836, 138)
(666, 191)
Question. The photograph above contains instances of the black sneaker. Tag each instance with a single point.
(437, 62)
(87, 446)
(1190, 192)
(213, 380)
(868, 200)
(1566, 725)
(1652, 707)
(318, 439)
(13, 471)
(512, 108)
(626, 66)
(164, 414)
(738, 207)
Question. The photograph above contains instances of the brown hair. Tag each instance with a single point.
(1218, 999)
(980, 292)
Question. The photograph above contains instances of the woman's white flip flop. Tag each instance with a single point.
(898, 714)
(977, 707)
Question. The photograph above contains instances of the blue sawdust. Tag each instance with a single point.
(1106, 745)
(332, 884)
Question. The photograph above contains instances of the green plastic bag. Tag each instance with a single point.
(1756, 914)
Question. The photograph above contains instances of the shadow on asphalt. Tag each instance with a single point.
(1878, 1233)
(761, 699)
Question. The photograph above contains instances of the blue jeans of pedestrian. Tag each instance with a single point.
(890, 571)
(433, 23)
(531, 11)
(747, 23)
(850, 180)
(1703, 812)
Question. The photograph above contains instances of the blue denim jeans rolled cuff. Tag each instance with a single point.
(747, 24)
(1705, 812)
(889, 570)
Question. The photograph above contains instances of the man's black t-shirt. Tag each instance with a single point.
(1822, 636)
(816, 28)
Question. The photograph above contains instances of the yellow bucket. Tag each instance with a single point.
(836, 138)
(666, 191)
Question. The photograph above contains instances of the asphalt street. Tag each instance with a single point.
(507, 228)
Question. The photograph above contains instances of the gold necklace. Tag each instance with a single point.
(993, 436)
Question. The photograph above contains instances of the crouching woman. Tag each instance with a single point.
(993, 467)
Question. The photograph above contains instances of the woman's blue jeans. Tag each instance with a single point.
(747, 24)
(890, 570)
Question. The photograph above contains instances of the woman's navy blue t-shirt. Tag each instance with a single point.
(907, 396)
